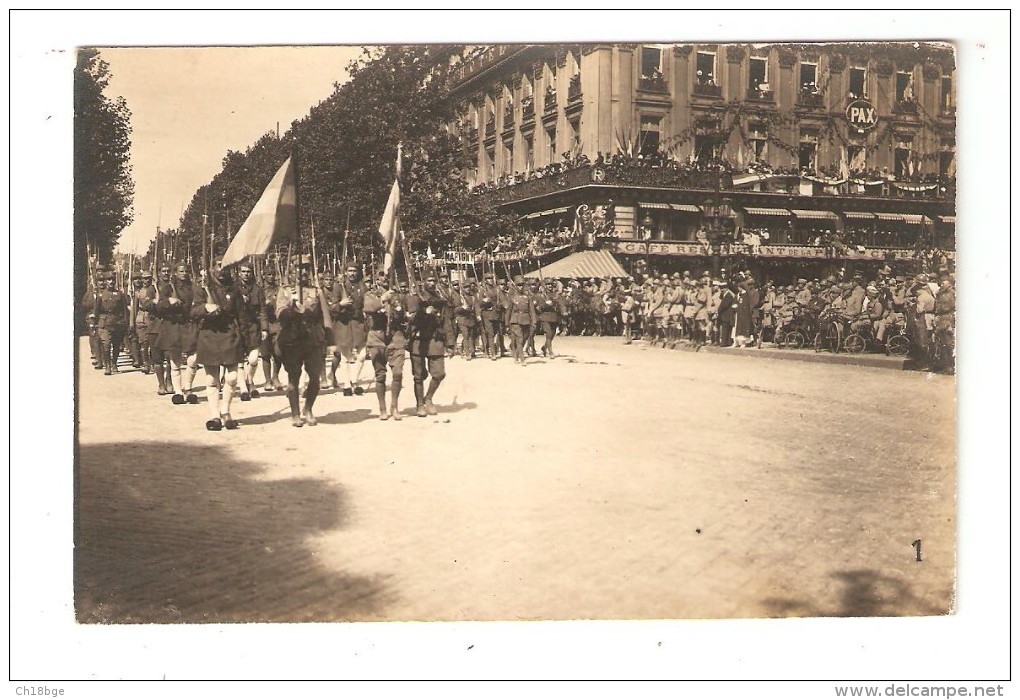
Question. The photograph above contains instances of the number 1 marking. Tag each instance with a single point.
(916, 544)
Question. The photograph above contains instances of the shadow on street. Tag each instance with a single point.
(205, 541)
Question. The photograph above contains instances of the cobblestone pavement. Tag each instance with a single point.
(610, 483)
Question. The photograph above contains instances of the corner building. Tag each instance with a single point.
(788, 159)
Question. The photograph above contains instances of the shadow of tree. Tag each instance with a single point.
(865, 593)
(172, 532)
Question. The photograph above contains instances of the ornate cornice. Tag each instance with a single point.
(683, 50)
(735, 54)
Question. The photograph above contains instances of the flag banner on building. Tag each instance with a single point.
(273, 220)
(389, 227)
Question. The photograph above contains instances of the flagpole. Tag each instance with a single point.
(296, 162)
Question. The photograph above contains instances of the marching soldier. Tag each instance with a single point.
(468, 315)
(550, 307)
(347, 306)
(153, 323)
(385, 315)
(142, 297)
(250, 309)
(302, 340)
(533, 290)
(490, 304)
(216, 309)
(177, 335)
(271, 361)
(520, 318)
(432, 335)
(111, 311)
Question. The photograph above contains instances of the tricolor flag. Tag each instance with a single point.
(274, 218)
(389, 227)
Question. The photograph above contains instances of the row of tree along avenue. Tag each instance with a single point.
(103, 188)
(346, 146)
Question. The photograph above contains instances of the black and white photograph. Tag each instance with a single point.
(654, 327)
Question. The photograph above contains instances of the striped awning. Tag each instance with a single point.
(694, 208)
(912, 218)
(582, 265)
(859, 215)
(890, 217)
(654, 205)
(947, 219)
(766, 211)
(813, 214)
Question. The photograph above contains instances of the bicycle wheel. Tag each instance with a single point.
(795, 340)
(819, 339)
(898, 345)
(834, 337)
(855, 343)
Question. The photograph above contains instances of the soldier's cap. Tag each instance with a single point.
(518, 279)
(901, 278)
(872, 290)
(802, 281)
(146, 273)
(922, 278)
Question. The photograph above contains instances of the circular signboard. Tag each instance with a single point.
(861, 115)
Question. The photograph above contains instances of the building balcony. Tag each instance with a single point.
(707, 90)
(490, 127)
(508, 117)
(574, 90)
(550, 102)
(756, 95)
(527, 109)
(654, 83)
(905, 107)
(810, 100)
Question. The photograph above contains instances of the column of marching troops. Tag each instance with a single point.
(313, 327)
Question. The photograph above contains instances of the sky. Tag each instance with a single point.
(190, 105)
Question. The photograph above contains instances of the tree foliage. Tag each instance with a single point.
(103, 187)
(346, 147)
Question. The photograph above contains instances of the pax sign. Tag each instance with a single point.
(861, 115)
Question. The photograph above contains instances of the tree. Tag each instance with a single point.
(103, 188)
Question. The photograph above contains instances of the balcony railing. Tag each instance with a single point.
(654, 83)
(707, 90)
(905, 107)
(550, 102)
(527, 109)
(508, 117)
(760, 95)
(810, 99)
(574, 90)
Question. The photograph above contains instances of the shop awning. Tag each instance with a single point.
(766, 211)
(582, 265)
(547, 212)
(813, 214)
(859, 215)
(890, 217)
(654, 205)
(912, 218)
(693, 208)
(947, 219)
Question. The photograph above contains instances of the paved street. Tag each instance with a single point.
(610, 483)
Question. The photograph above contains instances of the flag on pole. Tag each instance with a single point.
(389, 227)
(274, 218)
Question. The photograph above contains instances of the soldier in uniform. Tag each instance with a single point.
(153, 323)
(431, 331)
(177, 336)
(302, 340)
(549, 307)
(250, 310)
(141, 297)
(533, 290)
(945, 325)
(349, 332)
(385, 315)
(490, 306)
(111, 311)
(271, 361)
(521, 316)
(468, 314)
(216, 308)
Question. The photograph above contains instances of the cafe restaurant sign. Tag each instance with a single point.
(860, 114)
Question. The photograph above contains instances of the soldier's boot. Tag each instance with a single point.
(105, 354)
(162, 380)
(146, 359)
(114, 353)
(394, 399)
(295, 404)
(380, 394)
(419, 396)
(429, 407)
